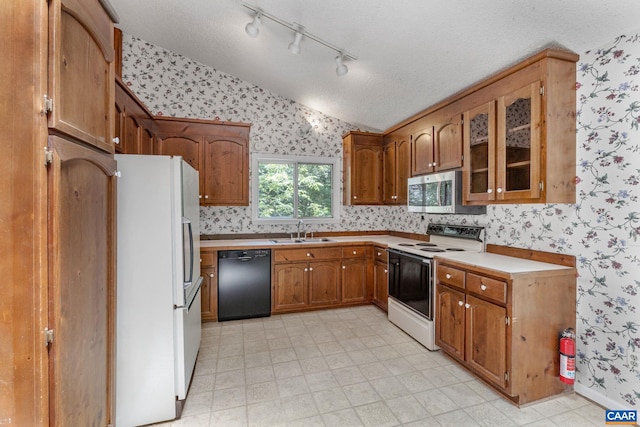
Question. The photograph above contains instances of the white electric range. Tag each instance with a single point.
(412, 277)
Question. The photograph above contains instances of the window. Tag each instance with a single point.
(288, 188)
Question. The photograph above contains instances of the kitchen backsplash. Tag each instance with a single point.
(601, 230)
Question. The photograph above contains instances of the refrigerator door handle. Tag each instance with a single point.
(187, 304)
(188, 281)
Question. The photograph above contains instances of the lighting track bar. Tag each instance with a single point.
(299, 29)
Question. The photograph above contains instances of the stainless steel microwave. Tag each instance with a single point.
(439, 193)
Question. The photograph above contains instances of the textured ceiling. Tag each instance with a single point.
(411, 53)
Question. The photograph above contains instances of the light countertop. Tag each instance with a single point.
(502, 263)
(382, 240)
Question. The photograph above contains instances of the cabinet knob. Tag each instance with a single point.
(385, 271)
(306, 269)
(448, 276)
(460, 303)
(483, 287)
(344, 267)
(199, 196)
(435, 164)
(467, 305)
(498, 190)
(206, 196)
(379, 253)
(210, 274)
(310, 268)
(116, 140)
(308, 253)
(355, 197)
(489, 190)
(430, 164)
(354, 252)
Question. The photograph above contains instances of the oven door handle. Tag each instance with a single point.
(411, 256)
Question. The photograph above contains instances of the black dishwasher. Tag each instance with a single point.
(244, 284)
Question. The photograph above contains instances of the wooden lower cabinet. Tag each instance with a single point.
(356, 276)
(380, 277)
(504, 326)
(324, 283)
(209, 290)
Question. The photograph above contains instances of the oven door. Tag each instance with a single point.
(411, 281)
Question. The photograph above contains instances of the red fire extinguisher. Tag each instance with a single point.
(568, 356)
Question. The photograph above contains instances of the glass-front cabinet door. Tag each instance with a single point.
(518, 144)
(479, 144)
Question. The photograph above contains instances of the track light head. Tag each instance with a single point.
(253, 28)
(341, 69)
(294, 46)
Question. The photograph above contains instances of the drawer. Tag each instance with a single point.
(450, 276)
(487, 288)
(380, 254)
(310, 254)
(207, 259)
(356, 252)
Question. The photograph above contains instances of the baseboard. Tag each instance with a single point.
(598, 398)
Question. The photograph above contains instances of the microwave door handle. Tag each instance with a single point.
(189, 281)
(439, 193)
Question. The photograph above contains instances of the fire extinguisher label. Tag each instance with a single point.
(567, 366)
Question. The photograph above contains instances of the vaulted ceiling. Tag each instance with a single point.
(410, 53)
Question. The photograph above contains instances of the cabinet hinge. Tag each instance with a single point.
(47, 105)
(48, 336)
(48, 156)
(541, 90)
(507, 321)
(506, 376)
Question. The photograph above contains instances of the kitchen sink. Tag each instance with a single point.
(316, 240)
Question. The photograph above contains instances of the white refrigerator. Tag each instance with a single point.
(158, 286)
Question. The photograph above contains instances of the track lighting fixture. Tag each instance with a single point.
(253, 28)
(341, 69)
(294, 46)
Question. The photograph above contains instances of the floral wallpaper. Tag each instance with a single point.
(601, 229)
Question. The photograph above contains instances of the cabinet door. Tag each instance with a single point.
(486, 346)
(146, 141)
(324, 282)
(131, 133)
(289, 290)
(389, 190)
(366, 174)
(518, 144)
(81, 206)
(447, 146)
(380, 292)
(225, 175)
(450, 320)
(118, 117)
(82, 80)
(187, 147)
(209, 294)
(354, 280)
(422, 152)
(479, 148)
(403, 169)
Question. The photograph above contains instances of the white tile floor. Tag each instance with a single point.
(347, 367)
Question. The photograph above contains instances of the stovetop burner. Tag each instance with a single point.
(432, 250)
(406, 244)
(456, 249)
(426, 244)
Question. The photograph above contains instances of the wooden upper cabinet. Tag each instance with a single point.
(520, 135)
(422, 151)
(396, 165)
(226, 159)
(447, 142)
(81, 70)
(134, 123)
(219, 151)
(362, 168)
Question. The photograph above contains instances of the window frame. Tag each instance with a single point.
(336, 189)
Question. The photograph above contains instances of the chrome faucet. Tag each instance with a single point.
(300, 224)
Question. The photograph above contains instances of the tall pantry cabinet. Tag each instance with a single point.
(57, 204)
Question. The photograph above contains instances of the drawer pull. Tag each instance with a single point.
(460, 303)
(306, 269)
(355, 252)
(308, 254)
(483, 287)
(310, 268)
(467, 305)
(448, 276)
(379, 253)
